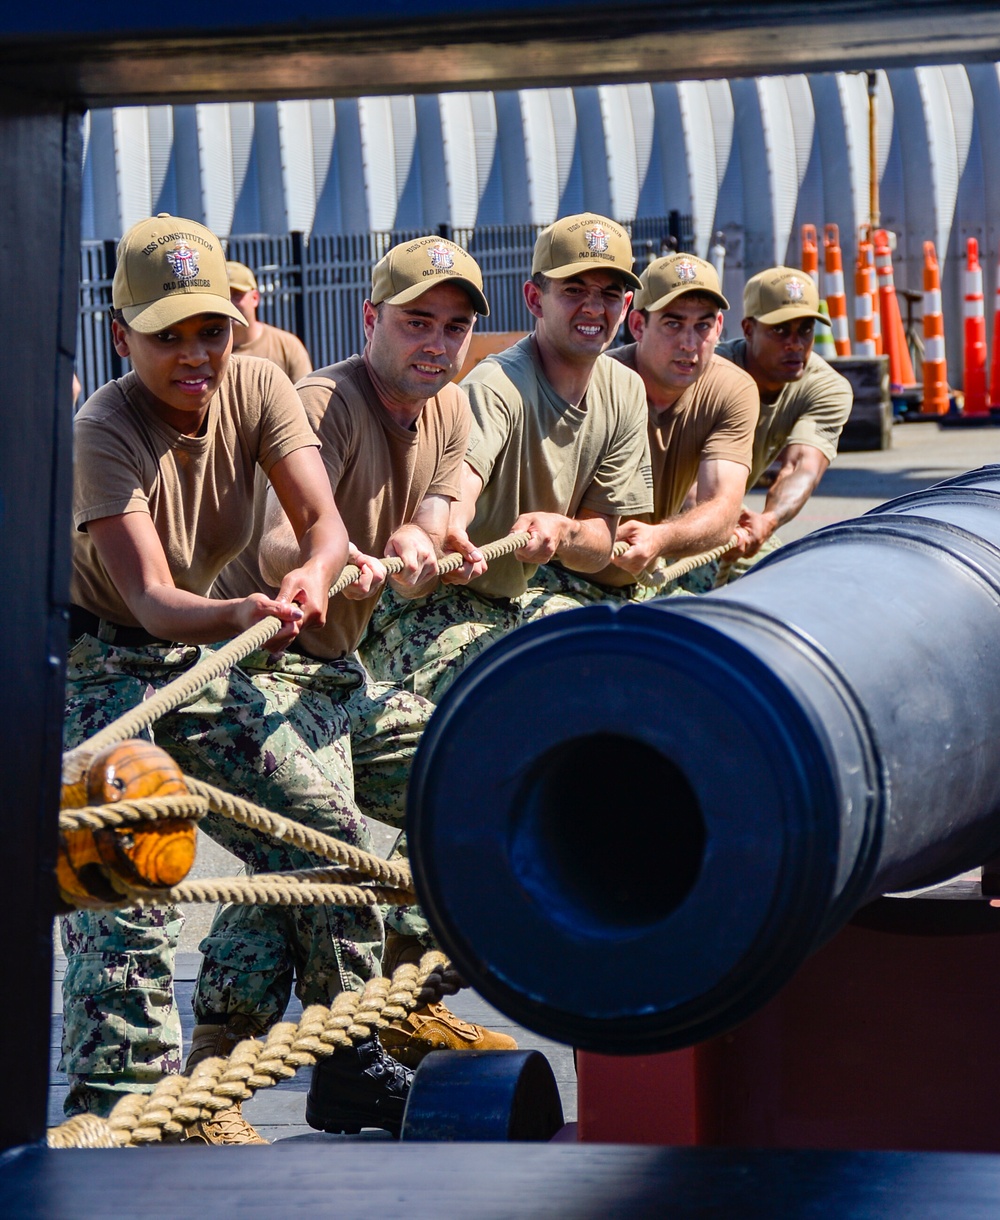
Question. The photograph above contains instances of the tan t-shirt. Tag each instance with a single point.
(810, 411)
(286, 350)
(379, 472)
(713, 420)
(198, 490)
(535, 452)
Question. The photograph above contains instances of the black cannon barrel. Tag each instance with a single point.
(629, 826)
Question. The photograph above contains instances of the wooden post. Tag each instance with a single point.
(40, 174)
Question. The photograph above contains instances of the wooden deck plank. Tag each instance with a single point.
(496, 1182)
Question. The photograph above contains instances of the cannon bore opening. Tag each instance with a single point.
(607, 834)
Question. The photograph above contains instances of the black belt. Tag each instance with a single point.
(300, 650)
(294, 646)
(82, 622)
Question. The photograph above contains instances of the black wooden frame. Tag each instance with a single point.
(49, 72)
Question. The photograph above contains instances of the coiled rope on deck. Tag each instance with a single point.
(216, 1084)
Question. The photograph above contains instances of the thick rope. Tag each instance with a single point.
(306, 887)
(296, 835)
(217, 663)
(171, 696)
(218, 1084)
(127, 812)
(659, 577)
(448, 563)
(267, 889)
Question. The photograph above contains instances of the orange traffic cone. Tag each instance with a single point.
(836, 298)
(864, 307)
(976, 404)
(822, 339)
(866, 246)
(893, 334)
(810, 253)
(995, 368)
(935, 400)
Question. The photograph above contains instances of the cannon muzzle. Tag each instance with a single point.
(630, 825)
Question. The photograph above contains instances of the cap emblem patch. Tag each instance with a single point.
(183, 261)
(441, 257)
(597, 240)
(685, 271)
(796, 290)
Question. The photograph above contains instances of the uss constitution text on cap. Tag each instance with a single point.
(170, 269)
(412, 267)
(587, 242)
(781, 294)
(667, 278)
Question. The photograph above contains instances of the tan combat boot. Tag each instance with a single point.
(227, 1126)
(434, 1027)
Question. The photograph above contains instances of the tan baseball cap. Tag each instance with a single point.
(667, 278)
(170, 269)
(241, 277)
(586, 242)
(780, 294)
(412, 267)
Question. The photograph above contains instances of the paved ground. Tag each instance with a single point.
(921, 454)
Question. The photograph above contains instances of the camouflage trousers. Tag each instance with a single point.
(554, 588)
(121, 1030)
(367, 734)
(422, 644)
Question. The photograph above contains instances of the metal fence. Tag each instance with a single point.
(315, 286)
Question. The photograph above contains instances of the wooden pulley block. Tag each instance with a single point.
(155, 854)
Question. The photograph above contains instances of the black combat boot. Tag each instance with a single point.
(359, 1086)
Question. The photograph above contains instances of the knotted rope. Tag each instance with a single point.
(217, 1084)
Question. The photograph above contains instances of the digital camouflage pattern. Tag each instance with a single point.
(554, 588)
(423, 644)
(121, 1030)
(368, 732)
